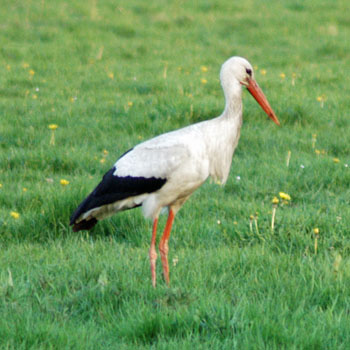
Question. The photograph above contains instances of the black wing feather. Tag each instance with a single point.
(114, 188)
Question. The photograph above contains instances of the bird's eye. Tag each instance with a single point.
(249, 71)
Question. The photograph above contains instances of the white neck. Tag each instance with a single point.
(233, 98)
(223, 133)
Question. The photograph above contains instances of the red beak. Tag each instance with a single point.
(257, 93)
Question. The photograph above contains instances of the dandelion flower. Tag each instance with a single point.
(263, 71)
(64, 182)
(130, 104)
(316, 232)
(204, 69)
(53, 126)
(275, 200)
(204, 81)
(35, 96)
(321, 99)
(282, 75)
(25, 65)
(31, 72)
(0, 185)
(110, 75)
(285, 196)
(8, 67)
(105, 152)
(336, 160)
(24, 189)
(317, 151)
(102, 160)
(15, 215)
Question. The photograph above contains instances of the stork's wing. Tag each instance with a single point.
(152, 160)
(140, 170)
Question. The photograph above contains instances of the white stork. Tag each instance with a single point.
(164, 171)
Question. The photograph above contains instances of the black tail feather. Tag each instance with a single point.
(85, 225)
(111, 189)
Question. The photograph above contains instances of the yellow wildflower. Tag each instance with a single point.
(8, 67)
(14, 214)
(204, 69)
(102, 160)
(275, 200)
(53, 126)
(0, 185)
(285, 196)
(263, 71)
(110, 75)
(25, 189)
(64, 182)
(25, 65)
(317, 151)
(35, 96)
(336, 160)
(105, 152)
(130, 104)
(31, 72)
(316, 231)
(204, 81)
(321, 98)
(282, 75)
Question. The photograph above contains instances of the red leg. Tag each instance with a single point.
(153, 253)
(163, 246)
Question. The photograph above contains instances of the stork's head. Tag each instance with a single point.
(237, 70)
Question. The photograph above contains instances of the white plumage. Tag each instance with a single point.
(164, 171)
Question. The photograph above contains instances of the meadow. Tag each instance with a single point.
(83, 81)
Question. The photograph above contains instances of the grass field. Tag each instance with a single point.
(111, 74)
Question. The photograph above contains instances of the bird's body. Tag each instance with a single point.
(164, 171)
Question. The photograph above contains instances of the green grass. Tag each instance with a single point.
(233, 287)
